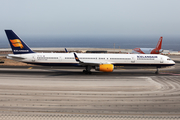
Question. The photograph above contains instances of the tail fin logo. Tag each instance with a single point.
(17, 43)
(76, 58)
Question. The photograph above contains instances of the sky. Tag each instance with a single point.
(90, 17)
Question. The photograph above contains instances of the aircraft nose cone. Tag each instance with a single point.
(172, 62)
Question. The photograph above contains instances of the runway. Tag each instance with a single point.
(45, 92)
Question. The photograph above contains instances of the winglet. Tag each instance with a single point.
(66, 50)
(159, 44)
(76, 58)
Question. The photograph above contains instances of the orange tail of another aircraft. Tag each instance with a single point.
(156, 50)
(159, 44)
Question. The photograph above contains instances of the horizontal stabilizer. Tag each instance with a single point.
(15, 57)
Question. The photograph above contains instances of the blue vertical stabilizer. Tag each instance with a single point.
(17, 45)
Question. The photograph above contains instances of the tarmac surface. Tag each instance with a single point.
(47, 92)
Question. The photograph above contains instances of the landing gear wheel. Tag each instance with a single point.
(87, 72)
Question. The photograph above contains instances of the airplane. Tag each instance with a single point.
(99, 62)
(156, 50)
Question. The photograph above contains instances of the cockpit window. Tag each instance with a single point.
(168, 59)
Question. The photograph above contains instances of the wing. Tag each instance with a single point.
(91, 63)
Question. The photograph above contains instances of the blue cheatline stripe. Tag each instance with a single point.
(76, 64)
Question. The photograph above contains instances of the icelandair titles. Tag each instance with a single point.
(21, 50)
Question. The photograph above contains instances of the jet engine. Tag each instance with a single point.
(105, 68)
(161, 50)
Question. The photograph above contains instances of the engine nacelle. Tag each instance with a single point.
(105, 68)
(161, 50)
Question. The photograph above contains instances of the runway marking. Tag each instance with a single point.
(30, 67)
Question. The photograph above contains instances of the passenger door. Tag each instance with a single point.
(132, 59)
(60, 58)
(33, 58)
(161, 60)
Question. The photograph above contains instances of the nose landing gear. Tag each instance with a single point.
(157, 70)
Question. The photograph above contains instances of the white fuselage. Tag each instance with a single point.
(68, 59)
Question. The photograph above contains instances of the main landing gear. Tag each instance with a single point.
(88, 70)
